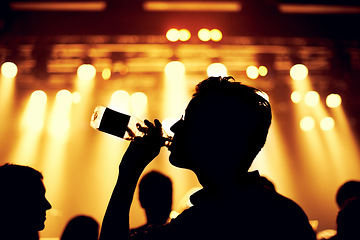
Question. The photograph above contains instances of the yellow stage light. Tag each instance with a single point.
(216, 70)
(216, 35)
(295, 97)
(263, 71)
(307, 123)
(174, 68)
(327, 123)
(204, 34)
(184, 35)
(299, 72)
(312, 98)
(106, 73)
(86, 72)
(9, 69)
(173, 35)
(333, 100)
(252, 72)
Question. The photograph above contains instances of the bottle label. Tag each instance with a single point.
(114, 123)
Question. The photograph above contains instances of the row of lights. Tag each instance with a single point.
(88, 71)
(204, 34)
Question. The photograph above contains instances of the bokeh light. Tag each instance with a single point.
(327, 123)
(252, 72)
(86, 72)
(9, 69)
(216, 35)
(307, 123)
(299, 72)
(333, 100)
(106, 73)
(204, 34)
(295, 97)
(263, 71)
(312, 98)
(174, 68)
(216, 70)
(184, 35)
(172, 35)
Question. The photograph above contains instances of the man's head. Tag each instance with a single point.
(22, 204)
(224, 127)
(155, 195)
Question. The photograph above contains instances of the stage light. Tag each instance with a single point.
(327, 123)
(307, 123)
(120, 101)
(172, 35)
(76, 97)
(106, 73)
(86, 72)
(295, 97)
(216, 70)
(174, 68)
(9, 69)
(333, 100)
(263, 71)
(299, 72)
(216, 35)
(312, 98)
(252, 72)
(184, 35)
(138, 104)
(204, 35)
(33, 118)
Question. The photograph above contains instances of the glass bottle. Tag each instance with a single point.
(120, 124)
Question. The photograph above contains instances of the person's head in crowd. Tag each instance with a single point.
(346, 191)
(348, 220)
(225, 120)
(81, 227)
(23, 203)
(155, 196)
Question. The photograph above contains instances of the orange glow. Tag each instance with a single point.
(252, 72)
(299, 72)
(263, 71)
(296, 97)
(184, 35)
(204, 35)
(76, 97)
(120, 101)
(174, 68)
(216, 35)
(138, 104)
(9, 69)
(86, 72)
(307, 123)
(327, 123)
(216, 70)
(172, 35)
(312, 98)
(333, 100)
(106, 73)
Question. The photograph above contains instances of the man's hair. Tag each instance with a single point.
(251, 96)
(14, 177)
(155, 185)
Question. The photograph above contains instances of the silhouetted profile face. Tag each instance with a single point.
(23, 204)
(213, 136)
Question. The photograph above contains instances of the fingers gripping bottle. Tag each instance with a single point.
(120, 124)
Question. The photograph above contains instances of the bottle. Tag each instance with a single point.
(120, 124)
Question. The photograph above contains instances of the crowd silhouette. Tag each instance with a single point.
(233, 202)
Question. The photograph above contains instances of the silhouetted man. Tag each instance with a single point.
(224, 128)
(155, 196)
(23, 204)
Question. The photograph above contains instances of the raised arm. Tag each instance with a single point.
(139, 154)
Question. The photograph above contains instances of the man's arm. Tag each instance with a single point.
(139, 154)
